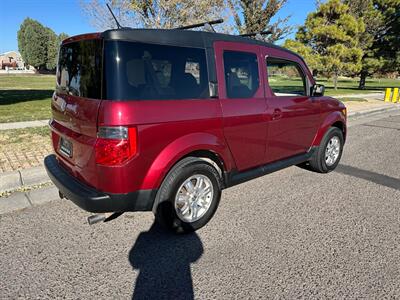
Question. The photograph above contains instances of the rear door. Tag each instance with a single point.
(75, 105)
(294, 115)
(241, 93)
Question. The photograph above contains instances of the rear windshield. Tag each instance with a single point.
(79, 69)
(140, 71)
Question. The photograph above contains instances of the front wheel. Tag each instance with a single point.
(188, 196)
(329, 152)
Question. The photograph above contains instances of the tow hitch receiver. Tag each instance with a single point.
(94, 219)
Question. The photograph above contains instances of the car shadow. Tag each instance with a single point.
(163, 260)
(374, 177)
(16, 96)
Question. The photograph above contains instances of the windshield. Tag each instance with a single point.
(147, 71)
(79, 69)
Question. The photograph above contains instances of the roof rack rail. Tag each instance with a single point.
(257, 35)
(206, 25)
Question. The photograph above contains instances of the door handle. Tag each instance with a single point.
(277, 114)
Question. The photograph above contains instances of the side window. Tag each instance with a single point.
(285, 78)
(241, 74)
(138, 71)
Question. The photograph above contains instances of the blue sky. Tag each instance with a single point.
(66, 16)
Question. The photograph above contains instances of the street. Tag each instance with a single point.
(291, 234)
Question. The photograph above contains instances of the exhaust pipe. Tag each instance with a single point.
(94, 219)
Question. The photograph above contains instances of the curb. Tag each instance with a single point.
(20, 200)
(13, 180)
(373, 111)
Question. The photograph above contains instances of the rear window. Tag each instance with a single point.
(138, 71)
(79, 69)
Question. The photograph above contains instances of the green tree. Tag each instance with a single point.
(32, 43)
(62, 36)
(312, 59)
(52, 49)
(330, 32)
(388, 40)
(53, 45)
(38, 45)
(252, 16)
(374, 27)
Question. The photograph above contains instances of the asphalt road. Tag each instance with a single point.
(291, 234)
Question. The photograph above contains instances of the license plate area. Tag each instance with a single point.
(65, 147)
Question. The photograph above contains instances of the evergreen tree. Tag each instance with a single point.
(52, 49)
(330, 32)
(374, 26)
(387, 41)
(312, 59)
(32, 43)
(39, 45)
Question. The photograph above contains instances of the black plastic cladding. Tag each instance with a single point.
(185, 38)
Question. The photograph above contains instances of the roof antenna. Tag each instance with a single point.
(116, 21)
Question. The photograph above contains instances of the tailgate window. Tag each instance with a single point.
(79, 69)
(139, 71)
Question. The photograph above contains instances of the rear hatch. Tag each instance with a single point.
(75, 106)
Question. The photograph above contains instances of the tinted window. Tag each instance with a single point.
(79, 69)
(146, 71)
(285, 78)
(241, 74)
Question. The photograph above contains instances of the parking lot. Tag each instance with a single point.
(290, 234)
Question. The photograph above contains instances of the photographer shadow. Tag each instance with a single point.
(163, 260)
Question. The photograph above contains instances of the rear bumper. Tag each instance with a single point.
(93, 200)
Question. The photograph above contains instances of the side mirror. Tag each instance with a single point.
(317, 90)
(213, 87)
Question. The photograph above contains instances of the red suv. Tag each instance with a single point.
(164, 120)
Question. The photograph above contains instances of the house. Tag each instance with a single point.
(12, 60)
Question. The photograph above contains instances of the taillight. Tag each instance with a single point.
(115, 145)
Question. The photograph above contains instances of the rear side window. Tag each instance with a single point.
(79, 69)
(138, 71)
(241, 74)
(285, 78)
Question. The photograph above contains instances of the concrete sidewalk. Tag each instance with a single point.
(26, 124)
(372, 106)
(376, 96)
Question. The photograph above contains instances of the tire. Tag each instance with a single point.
(319, 162)
(178, 212)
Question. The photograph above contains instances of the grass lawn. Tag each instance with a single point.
(350, 86)
(24, 135)
(346, 86)
(25, 97)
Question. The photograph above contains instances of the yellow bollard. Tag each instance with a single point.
(388, 93)
(395, 95)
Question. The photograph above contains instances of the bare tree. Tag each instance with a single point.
(152, 13)
(255, 16)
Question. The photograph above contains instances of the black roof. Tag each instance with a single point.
(184, 38)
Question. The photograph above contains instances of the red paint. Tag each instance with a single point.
(243, 133)
(80, 37)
